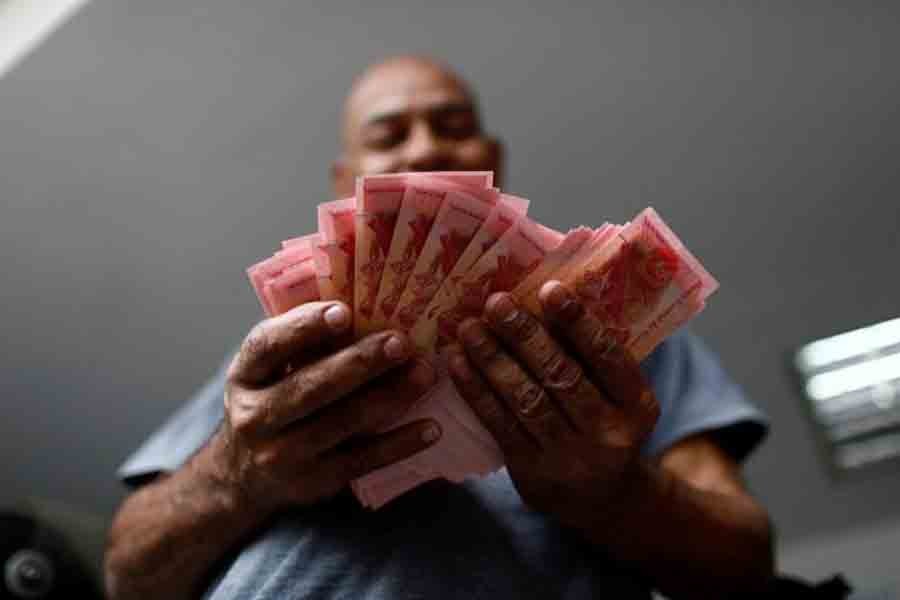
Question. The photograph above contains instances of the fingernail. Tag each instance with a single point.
(337, 317)
(502, 307)
(395, 348)
(557, 297)
(431, 433)
(422, 374)
(460, 367)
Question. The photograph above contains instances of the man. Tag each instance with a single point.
(612, 487)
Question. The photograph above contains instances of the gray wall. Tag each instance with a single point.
(150, 151)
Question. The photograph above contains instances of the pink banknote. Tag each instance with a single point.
(518, 252)
(473, 179)
(334, 255)
(265, 273)
(464, 450)
(652, 244)
(421, 202)
(579, 244)
(640, 282)
(377, 205)
(457, 221)
(297, 285)
(507, 211)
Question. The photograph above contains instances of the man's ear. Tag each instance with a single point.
(342, 179)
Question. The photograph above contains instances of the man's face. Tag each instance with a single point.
(409, 116)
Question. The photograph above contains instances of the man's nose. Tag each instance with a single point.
(425, 151)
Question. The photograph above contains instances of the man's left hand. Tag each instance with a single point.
(570, 413)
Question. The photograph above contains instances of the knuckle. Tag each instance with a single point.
(531, 400)
(242, 426)
(266, 459)
(601, 344)
(303, 382)
(266, 416)
(561, 372)
(367, 355)
(302, 389)
(243, 414)
(235, 367)
(485, 349)
(358, 360)
(259, 342)
(522, 326)
(507, 376)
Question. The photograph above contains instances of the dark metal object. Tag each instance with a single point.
(29, 574)
(37, 564)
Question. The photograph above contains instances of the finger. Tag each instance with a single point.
(269, 348)
(548, 362)
(493, 412)
(333, 377)
(348, 464)
(524, 397)
(609, 362)
(365, 411)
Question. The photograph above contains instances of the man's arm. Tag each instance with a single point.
(572, 430)
(167, 536)
(691, 526)
(291, 401)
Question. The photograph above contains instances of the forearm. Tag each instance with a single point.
(690, 543)
(168, 535)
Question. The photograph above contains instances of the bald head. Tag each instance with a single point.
(393, 81)
(411, 113)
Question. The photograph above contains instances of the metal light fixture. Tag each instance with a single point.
(851, 383)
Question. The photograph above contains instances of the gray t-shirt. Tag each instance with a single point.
(475, 540)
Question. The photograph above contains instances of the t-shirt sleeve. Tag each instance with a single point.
(696, 395)
(185, 432)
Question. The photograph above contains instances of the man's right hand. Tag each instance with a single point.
(305, 413)
(303, 408)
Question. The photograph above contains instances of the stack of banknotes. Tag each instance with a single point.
(421, 252)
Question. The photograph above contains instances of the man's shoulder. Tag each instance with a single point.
(679, 348)
(696, 394)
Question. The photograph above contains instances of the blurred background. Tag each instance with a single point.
(149, 152)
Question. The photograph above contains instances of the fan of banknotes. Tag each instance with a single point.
(421, 252)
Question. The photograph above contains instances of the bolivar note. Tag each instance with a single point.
(422, 199)
(509, 261)
(457, 221)
(335, 254)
